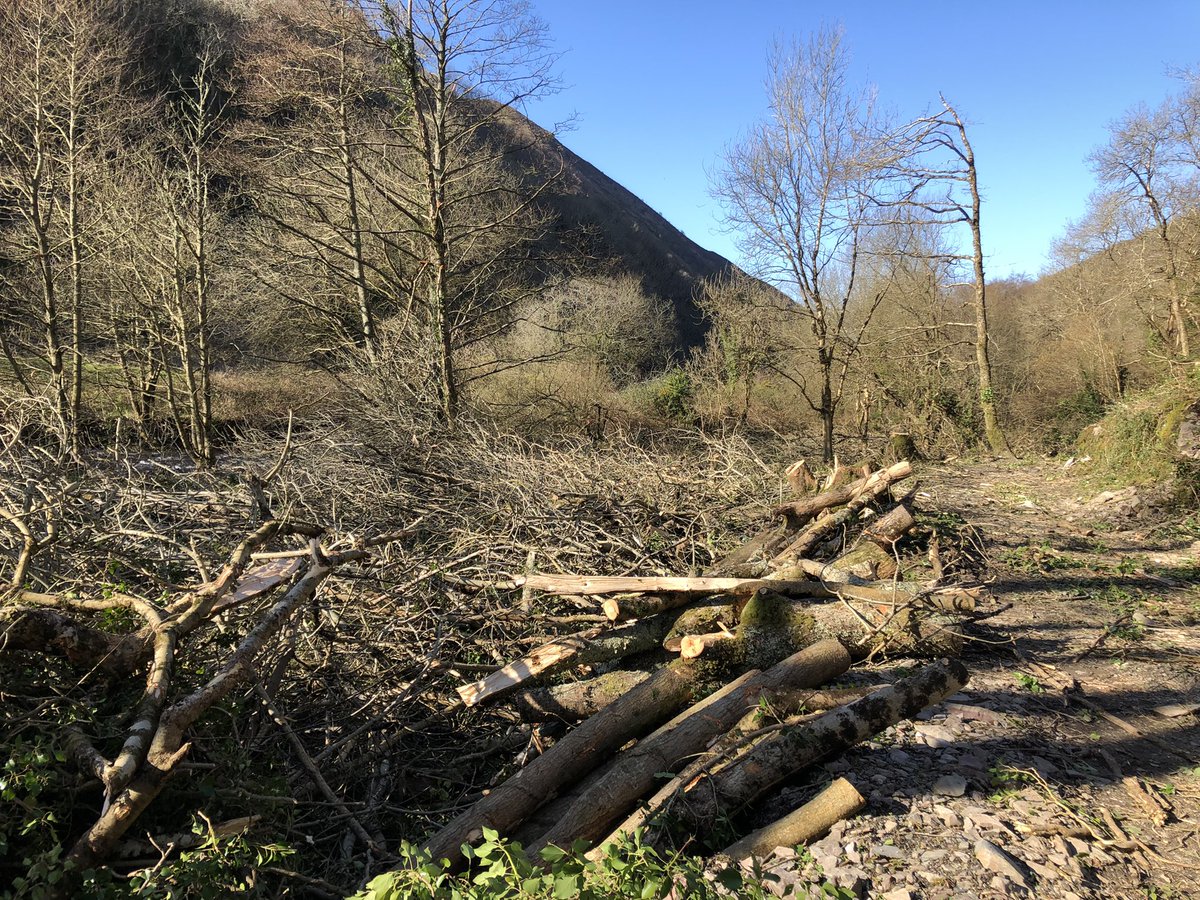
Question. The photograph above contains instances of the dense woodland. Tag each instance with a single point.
(298, 284)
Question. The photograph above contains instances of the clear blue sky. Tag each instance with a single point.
(661, 86)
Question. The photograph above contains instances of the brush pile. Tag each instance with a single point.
(676, 681)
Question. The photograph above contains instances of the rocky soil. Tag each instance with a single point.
(1070, 766)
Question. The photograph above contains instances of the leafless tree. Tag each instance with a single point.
(932, 155)
(462, 67)
(1149, 168)
(797, 191)
(59, 82)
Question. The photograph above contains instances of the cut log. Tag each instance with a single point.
(619, 584)
(597, 809)
(867, 561)
(772, 627)
(586, 648)
(890, 527)
(745, 560)
(693, 645)
(872, 487)
(579, 752)
(838, 801)
(577, 700)
(785, 752)
(806, 508)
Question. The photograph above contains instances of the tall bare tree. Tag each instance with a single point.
(59, 82)
(1149, 166)
(796, 191)
(462, 67)
(933, 157)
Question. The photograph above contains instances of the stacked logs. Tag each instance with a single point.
(768, 625)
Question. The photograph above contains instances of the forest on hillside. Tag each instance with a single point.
(316, 350)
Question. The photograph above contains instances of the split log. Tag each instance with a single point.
(785, 752)
(838, 801)
(577, 700)
(586, 648)
(640, 606)
(576, 754)
(596, 810)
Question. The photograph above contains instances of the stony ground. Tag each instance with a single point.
(1070, 765)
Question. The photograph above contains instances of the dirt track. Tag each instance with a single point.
(1009, 789)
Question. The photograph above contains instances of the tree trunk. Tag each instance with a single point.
(838, 801)
(577, 700)
(596, 810)
(580, 751)
(783, 753)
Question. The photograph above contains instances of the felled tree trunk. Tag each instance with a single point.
(586, 648)
(838, 801)
(785, 752)
(771, 627)
(580, 751)
(750, 558)
(577, 700)
(688, 733)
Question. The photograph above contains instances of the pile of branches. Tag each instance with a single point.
(140, 621)
(681, 664)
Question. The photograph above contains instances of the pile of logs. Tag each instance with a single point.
(819, 589)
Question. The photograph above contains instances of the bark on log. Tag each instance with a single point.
(838, 801)
(806, 508)
(783, 753)
(580, 751)
(577, 700)
(592, 585)
(586, 648)
(771, 627)
(767, 544)
(801, 477)
(597, 809)
(890, 527)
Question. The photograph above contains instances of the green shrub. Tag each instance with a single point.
(672, 395)
(500, 869)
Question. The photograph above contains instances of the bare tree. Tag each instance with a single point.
(59, 82)
(797, 192)
(933, 156)
(1148, 166)
(462, 66)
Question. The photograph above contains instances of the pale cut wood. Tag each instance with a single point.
(690, 732)
(694, 645)
(838, 801)
(801, 477)
(601, 644)
(805, 508)
(873, 486)
(523, 669)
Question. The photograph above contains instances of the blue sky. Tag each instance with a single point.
(660, 87)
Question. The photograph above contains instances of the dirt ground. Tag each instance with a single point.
(1070, 765)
